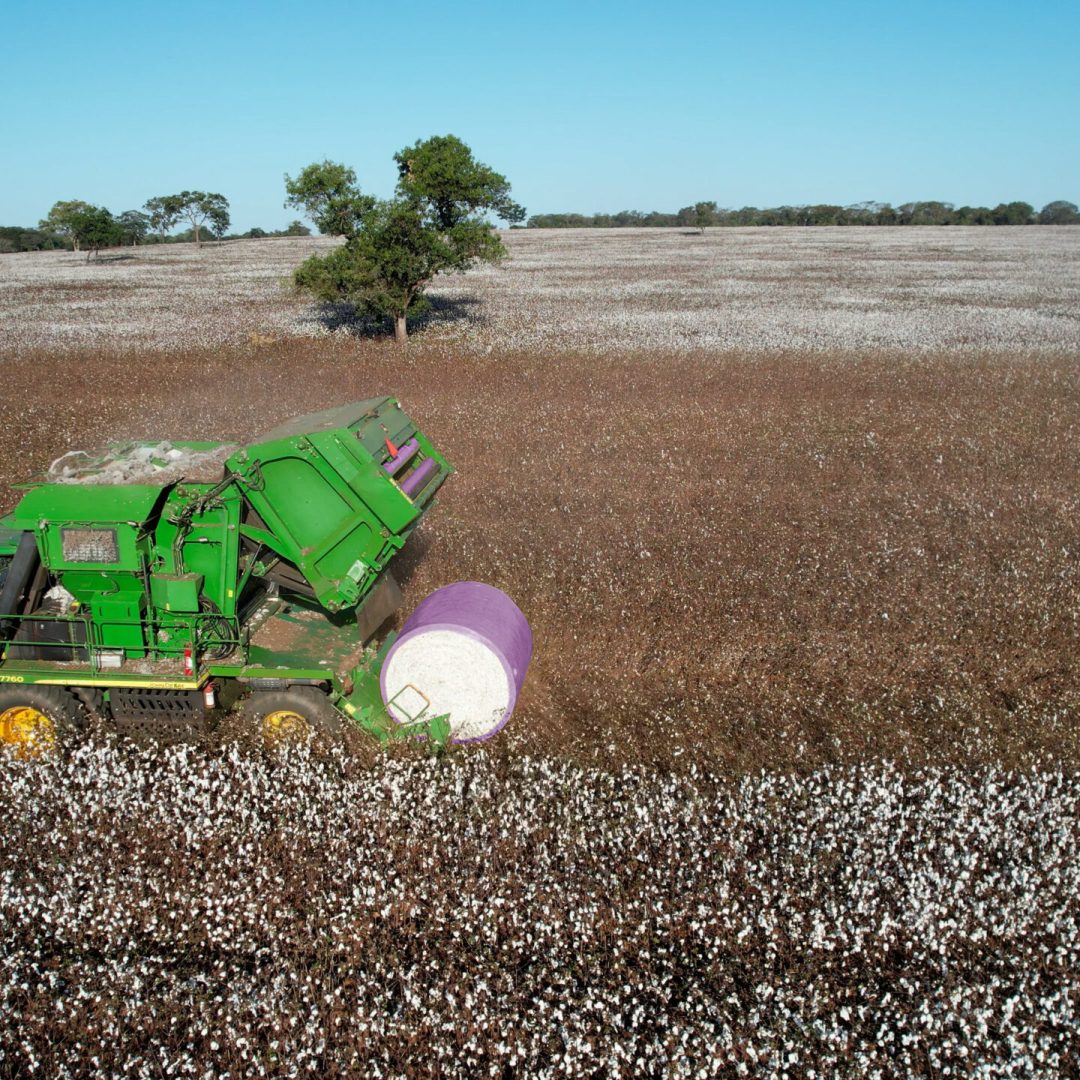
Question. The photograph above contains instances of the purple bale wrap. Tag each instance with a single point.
(415, 481)
(465, 649)
(402, 458)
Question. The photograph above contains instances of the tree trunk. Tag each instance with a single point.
(196, 235)
(401, 330)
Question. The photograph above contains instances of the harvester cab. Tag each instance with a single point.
(151, 582)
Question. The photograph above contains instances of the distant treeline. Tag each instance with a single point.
(80, 226)
(20, 238)
(705, 214)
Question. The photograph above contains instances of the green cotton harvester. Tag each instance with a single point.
(156, 586)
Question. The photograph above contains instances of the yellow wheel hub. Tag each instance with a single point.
(284, 725)
(28, 731)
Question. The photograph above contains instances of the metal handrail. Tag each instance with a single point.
(94, 643)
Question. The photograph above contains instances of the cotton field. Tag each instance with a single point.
(761, 290)
(791, 788)
(753, 290)
(185, 914)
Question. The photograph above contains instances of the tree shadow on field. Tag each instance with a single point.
(443, 311)
(100, 260)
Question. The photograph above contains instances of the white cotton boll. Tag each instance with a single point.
(546, 880)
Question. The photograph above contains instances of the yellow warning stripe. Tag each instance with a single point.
(154, 684)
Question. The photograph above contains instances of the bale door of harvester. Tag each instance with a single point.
(337, 493)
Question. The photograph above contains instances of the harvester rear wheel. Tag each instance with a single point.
(298, 714)
(37, 721)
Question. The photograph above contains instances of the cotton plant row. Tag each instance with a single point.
(749, 290)
(188, 913)
(158, 297)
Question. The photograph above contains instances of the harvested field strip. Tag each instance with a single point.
(777, 562)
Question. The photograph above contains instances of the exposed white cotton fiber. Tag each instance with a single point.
(137, 463)
(457, 673)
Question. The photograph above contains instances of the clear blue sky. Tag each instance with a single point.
(583, 106)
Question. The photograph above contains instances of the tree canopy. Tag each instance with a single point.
(704, 215)
(19, 238)
(134, 225)
(441, 176)
(198, 208)
(164, 213)
(436, 222)
(328, 193)
(61, 217)
(74, 221)
(95, 228)
(1014, 213)
(204, 208)
(1059, 212)
(864, 213)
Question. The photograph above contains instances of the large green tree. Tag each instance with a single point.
(60, 218)
(199, 208)
(95, 228)
(163, 212)
(134, 225)
(1014, 213)
(202, 208)
(704, 215)
(437, 222)
(926, 213)
(1059, 212)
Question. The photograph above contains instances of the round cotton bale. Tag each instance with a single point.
(465, 649)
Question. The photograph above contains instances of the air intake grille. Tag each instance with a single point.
(90, 545)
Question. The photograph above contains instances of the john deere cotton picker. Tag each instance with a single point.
(153, 582)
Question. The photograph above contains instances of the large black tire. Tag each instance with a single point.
(298, 714)
(92, 701)
(38, 721)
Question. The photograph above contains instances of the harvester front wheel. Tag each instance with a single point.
(298, 714)
(92, 701)
(37, 721)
